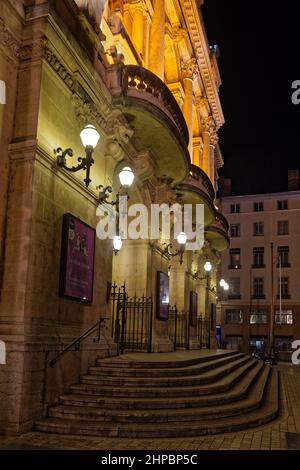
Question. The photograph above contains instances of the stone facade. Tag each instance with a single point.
(62, 71)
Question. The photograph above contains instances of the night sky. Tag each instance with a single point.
(259, 42)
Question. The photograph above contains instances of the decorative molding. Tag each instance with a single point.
(189, 68)
(199, 41)
(86, 110)
(9, 40)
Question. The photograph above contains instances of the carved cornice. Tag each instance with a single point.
(86, 110)
(189, 68)
(8, 39)
(199, 41)
(176, 33)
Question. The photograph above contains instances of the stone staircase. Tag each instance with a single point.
(208, 394)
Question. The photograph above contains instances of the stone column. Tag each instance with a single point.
(127, 19)
(138, 28)
(157, 39)
(196, 151)
(213, 141)
(189, 70)
(206, 157)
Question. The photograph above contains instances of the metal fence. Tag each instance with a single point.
(131, 321)
(178, 328)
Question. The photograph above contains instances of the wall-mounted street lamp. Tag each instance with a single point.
(181, 239)
(117, 244)
(207, 267)
(224, 284)
(126, 177)
(89, 138)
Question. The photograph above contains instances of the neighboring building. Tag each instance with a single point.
(255, 222)
(143, 74)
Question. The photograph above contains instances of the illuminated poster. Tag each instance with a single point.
(77, 260)
(162, 302)
(193, 308)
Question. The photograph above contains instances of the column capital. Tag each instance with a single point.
(189, 68)
(176, 33)
(207, 124)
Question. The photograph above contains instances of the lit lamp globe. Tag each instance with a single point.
(222, 283)
(182, 238)
(207, 266)
(117, 242)
(126, 177)
(226, 286)
(89, 136)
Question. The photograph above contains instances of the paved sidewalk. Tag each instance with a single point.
(281, 434)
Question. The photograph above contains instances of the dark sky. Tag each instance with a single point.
(259, 43)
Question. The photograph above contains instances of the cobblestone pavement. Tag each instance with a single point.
(281, 434)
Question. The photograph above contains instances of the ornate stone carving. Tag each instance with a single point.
(86, 113)
(189, 68)
(8, 39)
(58, 66)
(207, 124)
(119, 135)
(176, 33)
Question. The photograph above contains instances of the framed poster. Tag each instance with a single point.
(77, 260)
(193, 308)
(162, 296)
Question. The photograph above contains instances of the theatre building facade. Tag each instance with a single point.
(141, 81)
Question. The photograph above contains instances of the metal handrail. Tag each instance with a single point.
(78, 341)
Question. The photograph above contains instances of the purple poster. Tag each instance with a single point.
(77, 260)
(162, 296)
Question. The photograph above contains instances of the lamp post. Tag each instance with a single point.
(89, 138)
(207, 269)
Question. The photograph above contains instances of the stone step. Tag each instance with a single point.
(123, 361)
(252, 402)
(193, 369)
(207, 377)
(239, 391)
(219, 386)
(266, 412)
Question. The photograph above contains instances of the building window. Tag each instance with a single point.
(234, 290)
(283, 256)
(234, 316)
(235, 230)
(283, 227)
(258, 206)
(283, 343)
(259, 317)
(282, 205)
(285, 317)
(234, 342)
(258, 258)
(258, 343)
(235, 258)
(258, 288)
(258, 229)
(283, 288)
(235, 208)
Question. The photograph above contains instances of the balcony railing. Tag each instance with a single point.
(200, 180)
(138, 81)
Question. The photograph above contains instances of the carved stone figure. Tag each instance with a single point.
(93, 9)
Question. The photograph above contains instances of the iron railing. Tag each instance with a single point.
(131, 321)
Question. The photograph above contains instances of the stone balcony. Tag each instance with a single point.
(156, 118)
(217, 233)
(198, 189)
